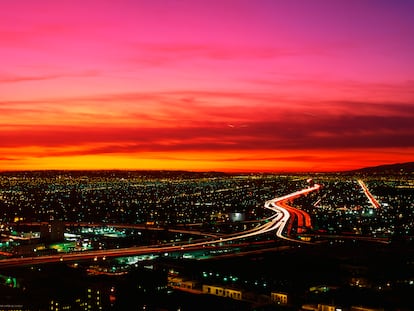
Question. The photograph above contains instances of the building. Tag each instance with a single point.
(91, 300)
(323, 307)
(279, 298)
(320, 307)
(177, 282)
(222, 292)
(237, 216)
(54, 231)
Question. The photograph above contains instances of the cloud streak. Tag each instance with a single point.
(272, 131)
(4, 78)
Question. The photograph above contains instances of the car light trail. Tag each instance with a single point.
(370, 197)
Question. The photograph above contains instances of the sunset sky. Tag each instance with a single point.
(266, 85)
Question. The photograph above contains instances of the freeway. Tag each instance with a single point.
(370, 197)
(280, 205)
(277, 222)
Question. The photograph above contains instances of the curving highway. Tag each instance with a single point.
(280, 205)
(284, 215)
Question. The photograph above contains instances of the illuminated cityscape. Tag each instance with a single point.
(338, 241)
(189, 155)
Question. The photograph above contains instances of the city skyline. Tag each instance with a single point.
(227, 86)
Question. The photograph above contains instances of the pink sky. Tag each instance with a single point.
(206, 85)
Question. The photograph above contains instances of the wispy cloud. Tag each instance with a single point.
(9, 78)
(182, 51)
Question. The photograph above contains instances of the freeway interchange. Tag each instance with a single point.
(281, 222)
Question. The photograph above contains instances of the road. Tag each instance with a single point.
(370, 197)
(283, 215)
(280, 205)
(120, 226)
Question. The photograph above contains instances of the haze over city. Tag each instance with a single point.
(206, 85)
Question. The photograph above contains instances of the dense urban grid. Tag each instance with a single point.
(355, 220)
(131, 198)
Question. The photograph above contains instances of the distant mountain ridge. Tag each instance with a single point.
(407, 168)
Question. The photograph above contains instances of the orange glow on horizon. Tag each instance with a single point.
(258, 161)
